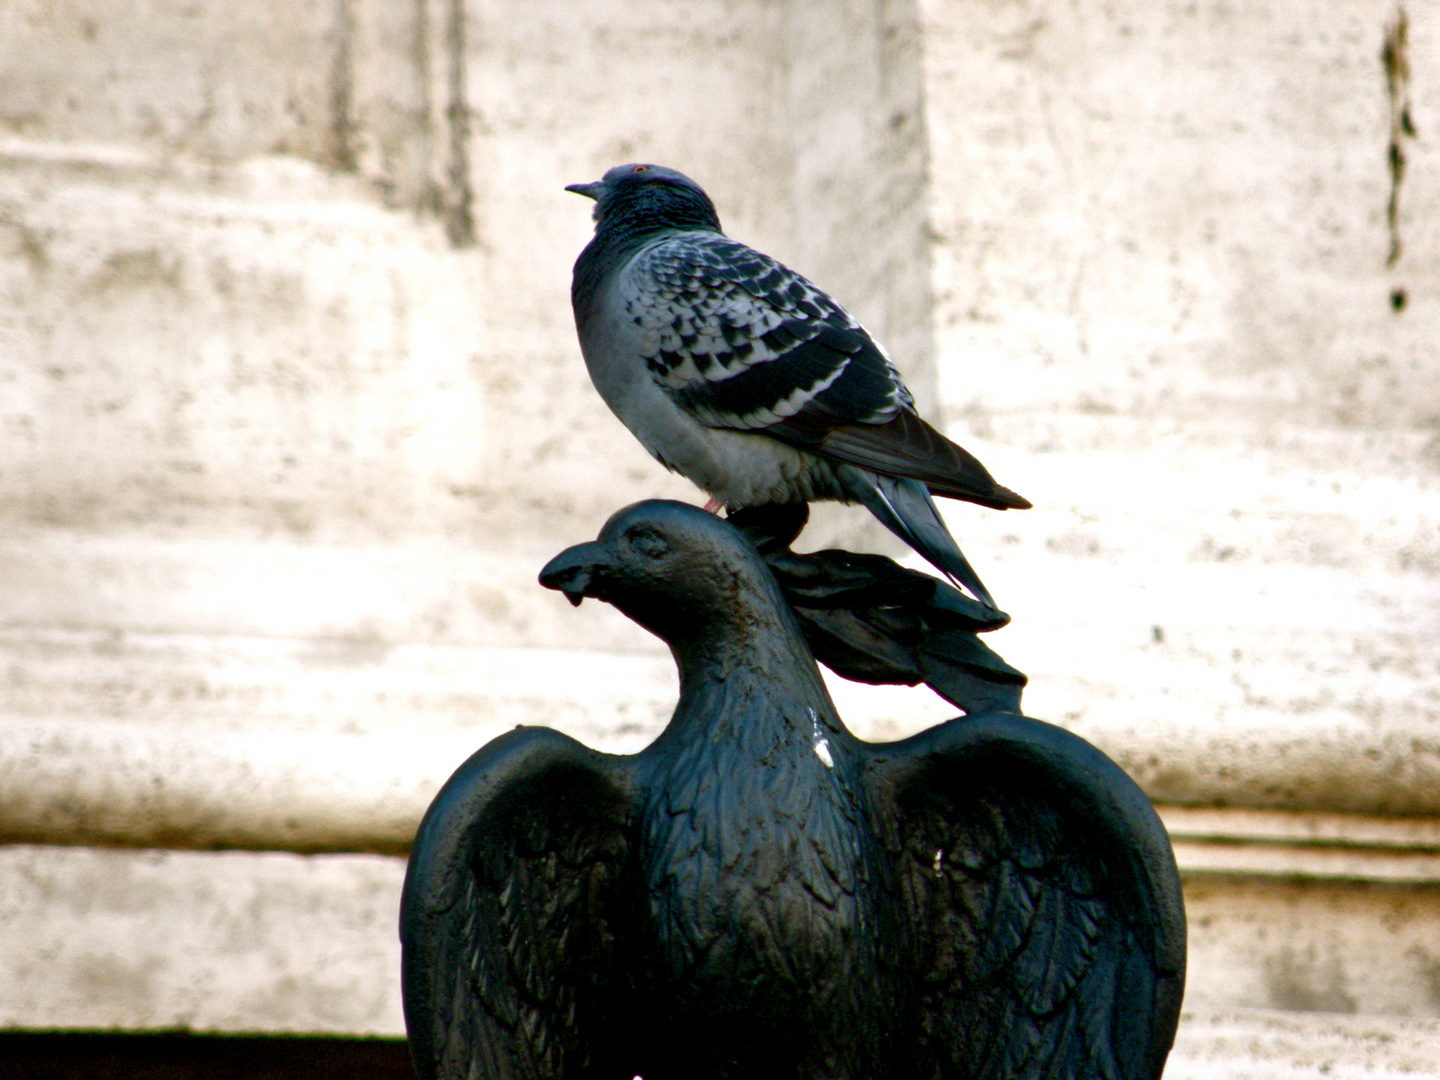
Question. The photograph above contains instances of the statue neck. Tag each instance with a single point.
(760, 675)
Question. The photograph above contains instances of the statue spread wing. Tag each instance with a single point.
(513, 916)
(1043, 900)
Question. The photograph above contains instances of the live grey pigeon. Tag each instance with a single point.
(740, 374)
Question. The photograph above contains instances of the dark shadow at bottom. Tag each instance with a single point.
(183, 1056)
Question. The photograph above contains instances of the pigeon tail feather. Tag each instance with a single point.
(907, 446)
(905, 507)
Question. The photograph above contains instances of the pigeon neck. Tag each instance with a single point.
(606, 252)
(631, 220)
(623, 230)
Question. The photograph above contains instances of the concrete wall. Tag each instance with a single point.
(291, 413)
(206, 277)
(1165, 301)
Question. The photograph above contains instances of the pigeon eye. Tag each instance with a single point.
(640, 168)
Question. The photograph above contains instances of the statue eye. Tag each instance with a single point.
(649, 543)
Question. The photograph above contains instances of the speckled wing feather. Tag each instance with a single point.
(513, 916)
(1049, 931)
(742, 342)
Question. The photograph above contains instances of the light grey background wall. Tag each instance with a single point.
(212, 278)
(291, 413)
(1164, 294)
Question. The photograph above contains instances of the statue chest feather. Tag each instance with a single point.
(758, 875)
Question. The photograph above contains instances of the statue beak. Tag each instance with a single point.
(576, 571)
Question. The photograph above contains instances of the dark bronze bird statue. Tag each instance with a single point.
(759, 893)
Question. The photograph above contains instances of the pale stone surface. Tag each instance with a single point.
(208, 942)
(1268, 1045)
(260, 760)
(1163, 301)
(1177, 212)
(254, 346)
(291, 414)
(107, 939)
(1307, 946)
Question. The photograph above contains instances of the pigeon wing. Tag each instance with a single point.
(1041, 889)
(740, 341)
(513, 915)
(743, 342)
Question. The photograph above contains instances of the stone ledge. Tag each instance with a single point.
(206, 786)
(148, 739)
(201, 941)
(1261, 1044)
(273, 942)
(1280, 843)
(1328, 710)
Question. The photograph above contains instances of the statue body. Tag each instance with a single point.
(760, 894)
(755, 939)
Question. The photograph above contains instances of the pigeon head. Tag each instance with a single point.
(677, 570)
(641, 197)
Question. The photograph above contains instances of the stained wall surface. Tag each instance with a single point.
(305, 277)
(1172, 302)
(291, 413)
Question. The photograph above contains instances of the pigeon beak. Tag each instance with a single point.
(590, 191)
(575, 571)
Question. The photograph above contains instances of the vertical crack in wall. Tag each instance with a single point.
(428, 198)
(1397, 83)
(459, 218)
(342, 90)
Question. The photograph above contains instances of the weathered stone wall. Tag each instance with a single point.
(291, 413)
(1165, 299)
(220, 321)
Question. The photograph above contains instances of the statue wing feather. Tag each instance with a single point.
(1047, 927)
(512, 920)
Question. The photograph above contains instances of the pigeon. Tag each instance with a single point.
(759, 893)
(741, 375)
